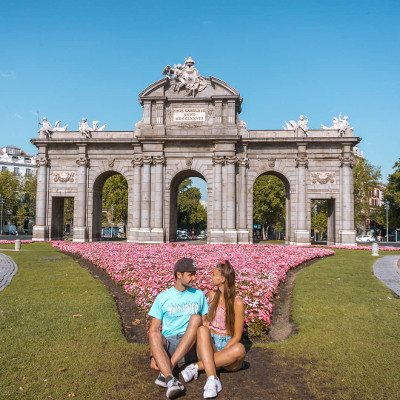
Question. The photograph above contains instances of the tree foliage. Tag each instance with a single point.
(191, 213)
(392, 195)
(10, 191)
(366, 178)
(115, 192)
(269, 205)
(319, 217)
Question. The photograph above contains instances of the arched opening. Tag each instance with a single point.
(110, 207)
(271, 208)
(188, 207)
(323, 220)
(62, 217)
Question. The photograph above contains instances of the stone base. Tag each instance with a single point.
(81, 234)
(301, 238)
(243, 236)
(223, 236)
(347, 237)
(40, 233)
(132, 235)
(147, 235)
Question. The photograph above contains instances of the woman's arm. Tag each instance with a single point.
(239, 322)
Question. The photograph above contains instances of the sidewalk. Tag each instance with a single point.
(8, 269)
(386, 269)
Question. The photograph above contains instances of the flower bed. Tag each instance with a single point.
(13, 241)
(146, 270)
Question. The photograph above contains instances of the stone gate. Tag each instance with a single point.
(191, 127)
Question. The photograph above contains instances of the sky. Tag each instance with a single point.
(91, 59)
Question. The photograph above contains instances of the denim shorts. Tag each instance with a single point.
(220, 341)
(172, 344)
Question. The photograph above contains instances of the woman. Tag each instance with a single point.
(218, 340)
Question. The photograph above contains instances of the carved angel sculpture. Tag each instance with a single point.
(85, 129)
(59, 128)
(339, 124)
(293, 125)
(96, 126)
(46, 128)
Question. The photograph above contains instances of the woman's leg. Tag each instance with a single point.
(205, 351)
(230, 358)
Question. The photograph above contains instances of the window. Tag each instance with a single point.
(28, 172)
(16, 171)
(3, 169)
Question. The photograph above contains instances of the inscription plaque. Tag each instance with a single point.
(189, 114)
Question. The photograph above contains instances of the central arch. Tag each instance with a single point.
(173, 214)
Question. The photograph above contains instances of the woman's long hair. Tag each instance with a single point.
(228, 273)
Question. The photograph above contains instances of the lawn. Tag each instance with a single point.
(60, 333)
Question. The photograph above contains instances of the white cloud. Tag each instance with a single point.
(5, 75)
(18, 116)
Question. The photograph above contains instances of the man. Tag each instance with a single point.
(180, 310)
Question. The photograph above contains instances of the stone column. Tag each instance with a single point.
(216, 233)
(147, 113)
(243, 232)
(302, 235)
(347, 234)
(80, 227)
(41, 229)
(146, 194)
(230, 197)
(158, 230)
(137, 163)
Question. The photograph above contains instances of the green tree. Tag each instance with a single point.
(115, 192)
(191, 213)
(392, 195)
(366, 178)
(10, 190)
(269, 195)
(319, 217)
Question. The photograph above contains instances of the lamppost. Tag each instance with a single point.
(315, 206)
(1, 203)
(387, 205)
(112, 220)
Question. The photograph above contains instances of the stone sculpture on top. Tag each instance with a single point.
(46, 128)
(339, 124)
(86, 130)
(186, 77)
(301, 123)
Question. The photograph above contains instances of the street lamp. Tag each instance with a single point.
(387, 205)
(1, 203)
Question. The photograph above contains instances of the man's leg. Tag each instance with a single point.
(160, 355)
(187, 341)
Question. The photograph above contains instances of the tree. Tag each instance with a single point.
(319, 217)
(191, 213)
(10, 190)
(392, 195)
(115, 192)
(366, 178)
(269, 195)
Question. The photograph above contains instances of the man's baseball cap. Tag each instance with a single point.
(185, 265)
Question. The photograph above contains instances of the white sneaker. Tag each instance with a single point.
(174, 388)
(190, 372)
(160, 381)
(212, 387)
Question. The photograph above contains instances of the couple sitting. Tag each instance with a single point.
(205, 336)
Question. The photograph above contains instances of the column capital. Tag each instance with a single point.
(301, 159)
(231, 159)
(218, 160)
(147, 160)
(42, 162)
(158, 160)
(243, 161)
(346, 161)
(137, 161)
(82, 161)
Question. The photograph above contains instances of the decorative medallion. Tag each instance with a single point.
(63, 177)
(323, 178)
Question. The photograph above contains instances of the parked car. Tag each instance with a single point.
(365, 239)
(201, 236)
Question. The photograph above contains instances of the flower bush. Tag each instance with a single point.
(146, 270)
(13, 241)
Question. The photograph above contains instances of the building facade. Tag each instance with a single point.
(16, 161)
(191, 128)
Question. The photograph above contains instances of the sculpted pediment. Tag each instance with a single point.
(166, 88)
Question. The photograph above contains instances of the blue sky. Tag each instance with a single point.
(73, 59)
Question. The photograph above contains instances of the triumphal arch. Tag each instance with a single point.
(191, 127)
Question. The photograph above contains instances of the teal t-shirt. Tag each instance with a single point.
(174, 309)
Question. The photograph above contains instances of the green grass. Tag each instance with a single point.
(46, 351)
(348, 339)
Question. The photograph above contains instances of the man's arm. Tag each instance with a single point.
(154, 327)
